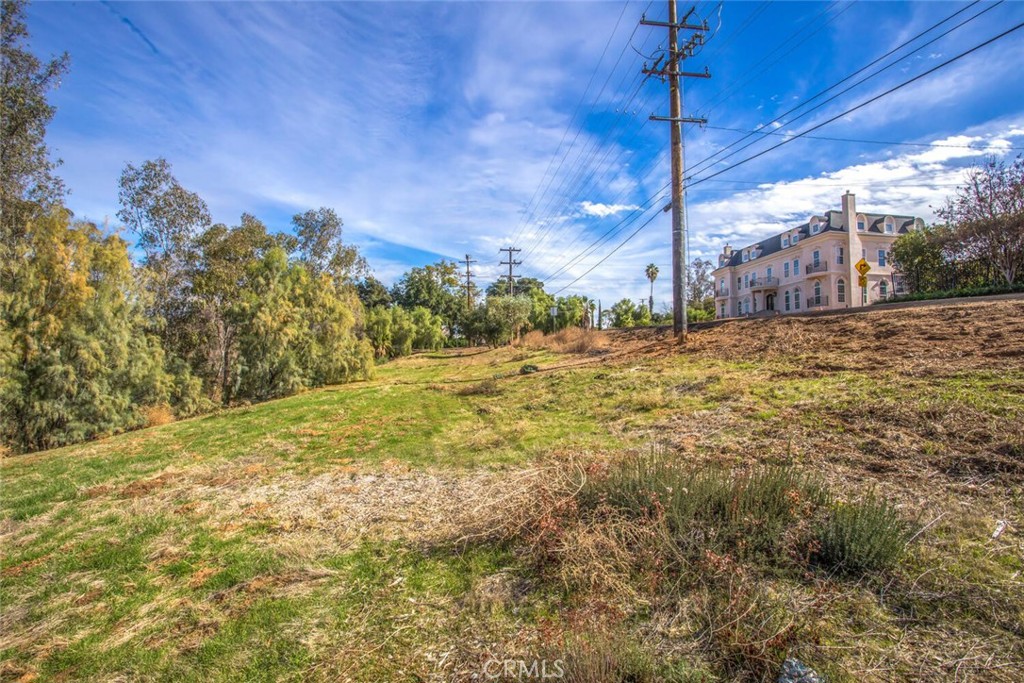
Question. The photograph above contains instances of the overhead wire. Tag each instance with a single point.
(865, 103)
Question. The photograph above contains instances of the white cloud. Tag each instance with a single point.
(605, 210)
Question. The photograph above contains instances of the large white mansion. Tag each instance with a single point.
(811, 266)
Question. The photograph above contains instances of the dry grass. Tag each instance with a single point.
(570, 340)
(158, 415)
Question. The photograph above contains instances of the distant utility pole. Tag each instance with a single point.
(671, 70)
(469, 283)
(511, 263)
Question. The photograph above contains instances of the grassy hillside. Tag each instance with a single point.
(415, 525)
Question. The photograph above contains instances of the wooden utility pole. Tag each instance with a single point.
(469, 283)
(673, 73)
(511, 263)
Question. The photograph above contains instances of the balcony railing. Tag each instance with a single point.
(819, 267)
(764, 283)
(816, 301)
(722, 291)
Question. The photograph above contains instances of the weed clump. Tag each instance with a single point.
(708, 508)
(488, 387)
(863, 537)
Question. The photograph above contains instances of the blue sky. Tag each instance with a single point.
(438, 129)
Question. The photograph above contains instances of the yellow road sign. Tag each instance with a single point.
(862, 267)
(862, 281)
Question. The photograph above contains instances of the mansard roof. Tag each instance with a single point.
(831, 221)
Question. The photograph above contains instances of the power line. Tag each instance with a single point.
(573, 118)
(807, 101)
(511, 263)
(860, 140)
(798, 135)
(862, 104)
(609, 255)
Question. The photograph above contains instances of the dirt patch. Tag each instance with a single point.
(143, 487)
(986, 334)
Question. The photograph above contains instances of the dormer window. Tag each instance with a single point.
(796, 237)
(785, 241)
(815, 228)
(889, 226)
(862, 224)
(746, 256)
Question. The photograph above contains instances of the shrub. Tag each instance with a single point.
(488, 387)
(858, 538)
(710, 507)
(528, 369)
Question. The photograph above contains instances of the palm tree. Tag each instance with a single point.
(652, 275)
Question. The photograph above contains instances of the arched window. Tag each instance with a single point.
(883, 289)
(796, 300)
(862, 223)
(786, 296)
(817, 290)
(890, 225)
(841, 291)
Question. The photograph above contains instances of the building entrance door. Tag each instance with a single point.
(769, 302)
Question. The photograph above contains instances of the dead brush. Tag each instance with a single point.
(488, 387)
(577, 340)
(157, 415)
(533, 339)
(745, 627)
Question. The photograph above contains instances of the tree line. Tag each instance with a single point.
(980, 245)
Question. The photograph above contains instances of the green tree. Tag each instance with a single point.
(223, 261)
(321, 248)
(164, 215)
(28, 186)
(571, 311)
(372, 292)
(403, 332)
(436, 287)
(652, 274)
(627, 314)
(507, 316)
(379, 330)
(429, 335)
(294, 331)
(76, 359)
(919, 257)
(702, 286)
(166, 218)
(987, 216)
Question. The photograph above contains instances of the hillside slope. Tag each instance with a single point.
(324, 536)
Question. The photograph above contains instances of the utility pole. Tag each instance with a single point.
(600, 314)
(511, 263)
(672, 71)
(469, 283)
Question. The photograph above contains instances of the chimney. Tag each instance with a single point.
(849, 210)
